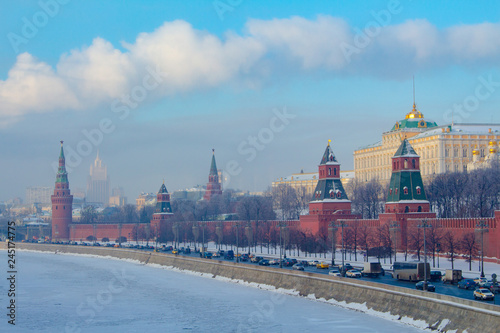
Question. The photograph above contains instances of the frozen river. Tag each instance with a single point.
(66, 293)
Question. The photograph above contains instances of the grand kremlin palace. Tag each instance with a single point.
(448, 148)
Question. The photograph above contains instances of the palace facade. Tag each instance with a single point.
(448, 148)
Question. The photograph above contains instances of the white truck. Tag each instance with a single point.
(372, 269)
(452, 276)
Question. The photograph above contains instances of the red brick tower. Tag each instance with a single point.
(213, 185)
(163, 210)
(329, 201)
(62, 203)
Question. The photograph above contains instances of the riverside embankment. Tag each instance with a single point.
(437, 311)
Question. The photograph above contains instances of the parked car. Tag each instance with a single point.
(467, 284)
(353, 273)
(298, 267)
(264, 262)
(436, 276)
(322, 265)
(484, 294)
(420, 286)
(480, 281)
(334, 272)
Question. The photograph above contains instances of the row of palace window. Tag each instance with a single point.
(465, 153)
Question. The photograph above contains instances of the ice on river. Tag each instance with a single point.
(68, 293)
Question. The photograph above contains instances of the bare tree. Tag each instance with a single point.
(469, 245)
(451, 245)
(365, 239)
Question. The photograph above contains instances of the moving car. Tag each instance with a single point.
(334, 272)
(494, 288)
(313, 262)
(274, 262)
(264, 262)
(483, 293)
(420, 286)
(436, 276)
(467, 284)
(175, 251)
(322, 265)
(480, 281)
(353, 273)
(298, 267)
(256, 259)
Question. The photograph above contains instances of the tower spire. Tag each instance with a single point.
(413, 90)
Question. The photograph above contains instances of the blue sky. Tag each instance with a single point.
(220, 78)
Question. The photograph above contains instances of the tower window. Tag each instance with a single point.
(390, 191)
(413, 164)
(407, 209)
(419, 209)
(329, 171)
(334, 171)
(419, 190)
(406, 164)
(56, 207)
(339, 194)
(405, 190)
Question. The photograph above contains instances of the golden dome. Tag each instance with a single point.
(414, 113)
(493, 143)
(493, 150)
(475, 152)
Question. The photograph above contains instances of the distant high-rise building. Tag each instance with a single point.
(38, 194)
(98, 183)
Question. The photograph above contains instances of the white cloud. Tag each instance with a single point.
(33, 87)
(312, 43)
(97, 72)
(195, 59)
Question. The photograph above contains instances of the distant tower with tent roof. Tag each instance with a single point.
(163, 210)
(213, 185)
(62, 202)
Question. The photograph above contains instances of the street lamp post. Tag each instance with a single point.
(482, 226)
(333, 233)
(342, 224)
(237, 241)
(395, 228)
(281, 224)
(425, 224)
(203, 223)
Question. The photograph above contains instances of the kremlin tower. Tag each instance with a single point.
(213, 185)
(62, 202)
(329, 201)
(406, 189)
(163, 210)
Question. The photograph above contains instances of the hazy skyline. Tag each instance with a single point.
(156, 85)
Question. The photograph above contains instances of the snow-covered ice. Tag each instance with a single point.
(67, 293)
